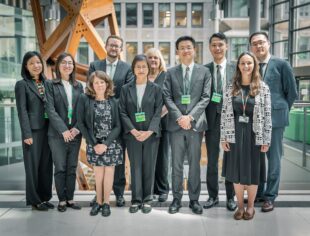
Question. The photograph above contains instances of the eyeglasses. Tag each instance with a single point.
(114, 46)
(66, 63)
(259, 43)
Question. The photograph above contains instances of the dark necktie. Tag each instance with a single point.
(218, 79)
(261, 69)
(186, 81)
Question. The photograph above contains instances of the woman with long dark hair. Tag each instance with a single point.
(63, 135)
(30, 102)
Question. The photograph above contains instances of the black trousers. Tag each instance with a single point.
(161, 184)
(119, 175)
(65, 158)
(39, 168)
(142, 157)
(212, 138)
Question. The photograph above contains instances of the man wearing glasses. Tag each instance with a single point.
(120, 73)
(278, 75)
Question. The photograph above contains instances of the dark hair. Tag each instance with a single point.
(24, 71)
(72, 79)
(102, 76)
(219, 35)
(185, 38)
(255, 78)
(139, 57)
(114, 37)
(258, 33)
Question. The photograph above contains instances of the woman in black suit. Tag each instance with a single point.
(157, 75)
(140, 107)
(100, 125)
(30, 103)
(63, 135)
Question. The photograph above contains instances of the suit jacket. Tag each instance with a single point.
(200, 89)
(86, 111)
(214, 107)
(282, 84)
(151, 104)
(57, 107)
(123, 73)
(30, 107)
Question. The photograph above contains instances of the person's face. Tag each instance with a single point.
(260, 46)
(246, 65)
(141, 70)
(66, 66)
(186, 51)
(218, 48)
(34, 66)
(153, 61)
(114, 47)
(99, 86)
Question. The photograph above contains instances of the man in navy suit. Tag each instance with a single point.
(278, 75)
(222, 73)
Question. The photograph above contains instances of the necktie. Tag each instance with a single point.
(218, 80)
(261, 71)
(186, 81)
(110, 70)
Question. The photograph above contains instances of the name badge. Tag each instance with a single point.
(70, 112)
(140, 116)
(45, 115)
(244, 119)
(186, 99)
(216, 97)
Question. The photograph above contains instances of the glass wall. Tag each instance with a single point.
(131, 51)
(148, 17)
(180, 15)
(237, 46)
(164, 48)
(131, 14)
(164, 15)
(147, 45)
(197, 14)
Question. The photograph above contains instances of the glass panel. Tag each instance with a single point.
(198, 52)
(131, 14)
(82, 55)
(304, 90)
(281, 31)
(281, 12)
(301, 40)
(239, 8)
(132, 49)
(281, 49)
(117, 7)
(301, 59)
(302, 17)
(164, 15)
(147, 45)
(197, 14)
(238, 45)
(299, 2)
(148, 14)
(164, 48)
(180, 14)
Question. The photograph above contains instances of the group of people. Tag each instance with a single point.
(148, 111)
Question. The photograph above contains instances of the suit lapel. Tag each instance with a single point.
(179, 75)
(104, 65)
(118, 70)
(63, 93)
(229, 73)
(75, 95)
(269, 65)
(92, 108)
(133, 92)
(33, 88)
(193, 77)
(146, 93)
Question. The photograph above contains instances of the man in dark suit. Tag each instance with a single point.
(186, 93)
(222, 73)
(120, 72)
(278, 75)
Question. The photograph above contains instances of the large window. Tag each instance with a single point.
(117, 7)
(197, 14)
(180, 15)
(131, 14)
(239, 8)
(147, 45)
(148, 9)
(131, 51)
(164, 15)
(164, 48)
(238, 45)
(82, 55)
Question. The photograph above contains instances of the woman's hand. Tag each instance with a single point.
(100, 148)
(225, 146)
(135, 133)
(28, 141)
(74, 132)
(264, 148)
(67, 136)
(144, 135)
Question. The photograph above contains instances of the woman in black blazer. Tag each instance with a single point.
(30, 103)
(63, 134)
(140, 107)
(100, 125)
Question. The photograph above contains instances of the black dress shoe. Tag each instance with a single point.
(93, 201)
(175, 206)
(267, 206)
(195, 206)
(163, 197)
(61, 208)
(49, 205)
(231, 204)
(146, 208)
(211, 202)
(40, 207)
(120, 201)
(106, 210)
(134, 208)
(95, 209)
(74, 206)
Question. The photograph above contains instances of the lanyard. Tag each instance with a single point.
(244, 102)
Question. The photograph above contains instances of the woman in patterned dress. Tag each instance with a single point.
(100, 125)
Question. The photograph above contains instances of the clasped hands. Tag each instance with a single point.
(185, 122)
(69, 135)
(141, 135)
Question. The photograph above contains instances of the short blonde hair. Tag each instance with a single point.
(102, 76)
(156, 52)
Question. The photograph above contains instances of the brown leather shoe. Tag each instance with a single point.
(267, 206)
(239, 214)
(248, 216)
